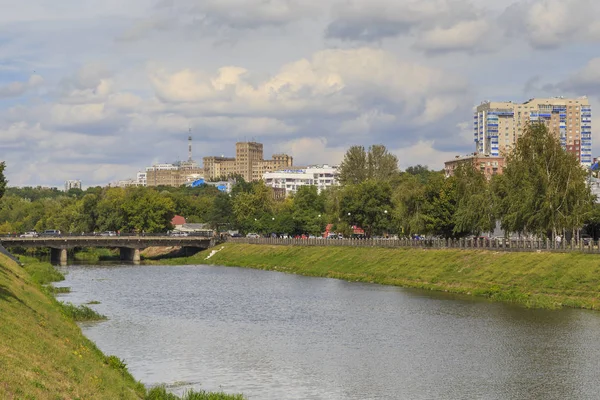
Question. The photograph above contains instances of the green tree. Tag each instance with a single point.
(308, 210)
(359, 165)
(475, 202)
(147, 210)
(543, 189)
(367, 205)
(2, 179)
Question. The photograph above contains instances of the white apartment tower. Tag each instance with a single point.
(498, 125)
(72, 184)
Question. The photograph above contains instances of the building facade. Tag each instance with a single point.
(498, 125)
(173, 174)
(321, 176)
(248, 163)
(489, 165)
(72, 184)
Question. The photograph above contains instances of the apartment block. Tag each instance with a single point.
(248, 163)
(489, 165)
(498, 125)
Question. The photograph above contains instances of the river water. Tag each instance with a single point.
(271, 335)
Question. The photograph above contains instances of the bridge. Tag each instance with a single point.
(129, 246)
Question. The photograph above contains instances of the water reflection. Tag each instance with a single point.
(277, 336)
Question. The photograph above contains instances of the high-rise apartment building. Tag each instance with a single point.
(498, 125)
(72, 184)
(248, 163)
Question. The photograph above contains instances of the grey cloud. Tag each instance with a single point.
(586, 81)
(548, 24)
(380, 19)
(370, 30)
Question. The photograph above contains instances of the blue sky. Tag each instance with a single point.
(98, 90)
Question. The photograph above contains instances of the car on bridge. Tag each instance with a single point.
(32, 234)
(177, 233)
(51, 232)
(109, 233)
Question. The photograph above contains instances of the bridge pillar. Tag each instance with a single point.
(58, 256)
(129, 254)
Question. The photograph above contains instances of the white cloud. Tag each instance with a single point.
(18, 88)
(331, 82)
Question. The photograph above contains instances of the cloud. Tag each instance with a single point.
(17, 88)
(584, 81)
(437, 25)
(548, 24)
(331, 82)
(220, 17)
(464, 36)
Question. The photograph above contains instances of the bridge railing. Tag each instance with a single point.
(498, 244)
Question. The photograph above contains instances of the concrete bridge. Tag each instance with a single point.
(129, 246)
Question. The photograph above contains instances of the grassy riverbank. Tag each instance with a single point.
(44, 355)
(545, 280)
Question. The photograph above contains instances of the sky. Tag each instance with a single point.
(98, 90)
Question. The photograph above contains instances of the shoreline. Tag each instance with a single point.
(44, 353)
(534, 280)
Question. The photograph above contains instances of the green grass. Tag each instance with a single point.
(93, 254)
(58, 290)
(540, 280)
(160, 393)
(44, 355)
(93, 302)
(81, 313)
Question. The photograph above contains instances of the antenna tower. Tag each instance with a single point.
(190, 145)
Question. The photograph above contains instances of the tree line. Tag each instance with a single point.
(542, 192)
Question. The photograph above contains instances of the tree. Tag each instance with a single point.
(475, 204)
(147, 210)
(2, 179)
(308, 210)
(359, 165)
(367, 205)
(543, 190)
(354, 167)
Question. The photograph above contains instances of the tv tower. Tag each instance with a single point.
(190, 145)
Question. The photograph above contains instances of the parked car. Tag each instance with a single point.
(31, 234)
(109, 233)
(253, 236)
(51, 232)
(586, 239)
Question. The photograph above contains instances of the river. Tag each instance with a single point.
(271, 335)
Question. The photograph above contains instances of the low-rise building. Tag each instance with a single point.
(176, 174)
(321, 176)
(489, 165)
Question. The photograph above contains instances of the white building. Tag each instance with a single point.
(321, 176)
(141, 178)
(72, 184)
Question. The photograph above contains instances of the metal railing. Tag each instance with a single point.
(514, 245)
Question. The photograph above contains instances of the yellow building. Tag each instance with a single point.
(498, 125)
(173, 174)
(248, 163)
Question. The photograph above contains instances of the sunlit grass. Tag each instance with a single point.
(544, 280)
